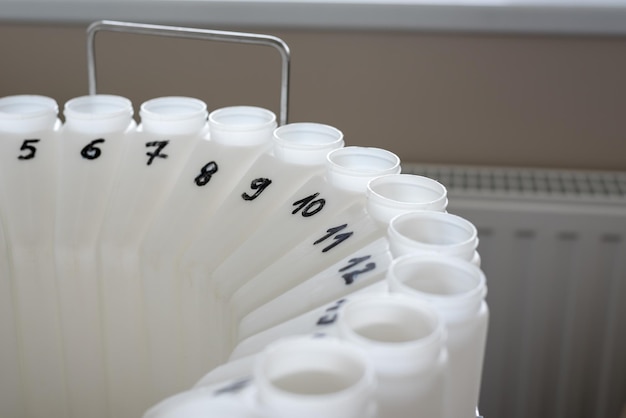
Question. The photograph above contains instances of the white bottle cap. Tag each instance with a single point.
(455, 287)
(394, 194)
(242, 125)
(432, 232)
(352, 168)
(27, 113)
(98, 114)
(399, 334)
(314, 377)
(173, 115)
(306, 143)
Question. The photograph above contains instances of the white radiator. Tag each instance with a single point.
(553, 245)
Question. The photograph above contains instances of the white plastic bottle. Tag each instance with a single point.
(170, 129)
(307, 210)
(456, 289)
(11, 382)
(91, 144)
(394, 194)
(300, 377)
(404, 340)
(356, 249)
(298, 152)
(312, 208)
(316, 321)
(28, 137)
(356, 271)
(429, 232)
(238, 135)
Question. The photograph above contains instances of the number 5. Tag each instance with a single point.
(30, 149)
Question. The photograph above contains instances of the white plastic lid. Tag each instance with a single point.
(432, 232)
(314, 377)
(400, 335)
(394, 194)
(98, 114)
(306, 143)
(173, 115)
(352, 168)
(27, 113)
(242, 125)
(455, 287)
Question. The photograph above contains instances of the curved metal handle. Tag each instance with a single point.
(191, 33)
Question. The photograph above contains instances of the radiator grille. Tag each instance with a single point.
(526, 182)
(553, 244)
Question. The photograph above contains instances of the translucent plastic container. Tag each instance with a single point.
(356, 271)
(319, 321)
(298, 153)
(456, 289)
(238, 135)
(324, 204)
(353, 243)
(170, 129)
(28, 149)
(92, 141)
(429, 232)
(404, 340)
(294, 377)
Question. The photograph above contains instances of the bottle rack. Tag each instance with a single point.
(191, 33)
(307, 207)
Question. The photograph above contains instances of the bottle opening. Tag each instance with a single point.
(444, 230)
(242, 118)
(306, 143)
(364, 160)
(433, 232)
(397, 332)
(173, 115)
(173, 108)
(98, 106)
(313, 382)
(26, 106)
(394, 194)
(312, 369)
(98, 113)
(388, 322)
(409, 190)
(308, 135)
(352, 168)
(438, 277)
(314, 376)
(242, 125)
(447, 281)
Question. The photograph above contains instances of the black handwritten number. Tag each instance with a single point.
(91, 152)
(349, 276)
(157, 152)
(339, 238)
(308, 205)
(259, 185)
(30, 149)
(233, 387)
(205, 173)
(330, 315)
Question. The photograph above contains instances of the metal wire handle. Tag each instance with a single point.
(191, 33)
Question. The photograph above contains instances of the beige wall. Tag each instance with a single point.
(443, 98)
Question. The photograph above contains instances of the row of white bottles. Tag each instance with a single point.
(423, 330)
(135, 257)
